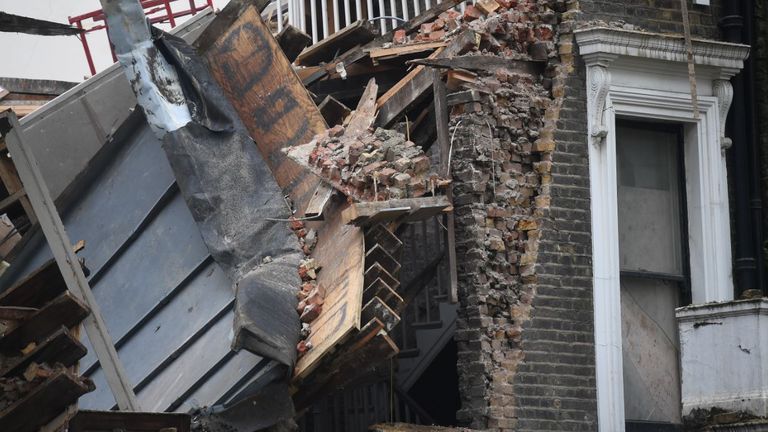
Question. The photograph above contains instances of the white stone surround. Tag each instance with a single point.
(724, 353)
(644, 76)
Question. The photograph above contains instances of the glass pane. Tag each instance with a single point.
(648, 200)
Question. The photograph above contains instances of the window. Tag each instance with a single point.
(643, 76)
(653, 266)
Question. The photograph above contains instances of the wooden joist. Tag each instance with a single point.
(411, 209)
(395, 101)
(377, 271)
(334, 112)
(378, 309)
(293, 41)
(356, 54)
(356, 34)
(37, 289)
(487, 63)
(16, 313)
(319, 201)
(378, 54)
(386, 238)
(384, 292)
(377, 254)
(11, 199)
(357, 356)
(99, 421)
(43, 403)
(64, 310)
(61, 347)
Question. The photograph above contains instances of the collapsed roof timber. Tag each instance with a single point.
(453, 219)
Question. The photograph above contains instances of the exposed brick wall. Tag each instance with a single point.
(662, 16)
(521, 194)
(525, 330)
(555, 384)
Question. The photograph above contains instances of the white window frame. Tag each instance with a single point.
(644, 76)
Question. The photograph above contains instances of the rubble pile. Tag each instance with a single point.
(513, 28)
(374, 165)
(311, 295)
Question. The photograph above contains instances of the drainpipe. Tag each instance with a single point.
(741, 124)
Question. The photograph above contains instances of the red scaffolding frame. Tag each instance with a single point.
(158, 11)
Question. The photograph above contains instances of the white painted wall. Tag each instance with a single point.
(55, 57)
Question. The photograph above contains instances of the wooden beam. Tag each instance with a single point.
(43, 403)
(377, 54)
(293, 41)
(377, 254)
(356, 54)
(334, 112)
(65, 310)
(38, 288)
(378, 234)
(377, 308)
(16, 313)
(394, 102)
(356, 34)
(61, 347)
(372, 212)
(376, 271)
(319, 201)
(487, 63)
(97, 421)
(12, 183)
(11, 199)
(442, 123)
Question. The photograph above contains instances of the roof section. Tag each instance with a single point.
(167, 305)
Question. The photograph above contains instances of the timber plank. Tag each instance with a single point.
(376, 308)
(43, 403)
(380, 289)
(368, 213)
(64, 310)
(334, 112)
(61, 347)
(319, 200)
(377, 254)
(378, 54)
(97, 421)
(358, 33)
(293, 41)
(376, 271)
(37, 289)
(395, 101)
(386, 238)
(487, 63)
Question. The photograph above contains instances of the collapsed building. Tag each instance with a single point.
(505, 215)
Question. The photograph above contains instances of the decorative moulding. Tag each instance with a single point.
(595, 43)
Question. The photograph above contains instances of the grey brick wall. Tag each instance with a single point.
(661, 16)
(555, 384)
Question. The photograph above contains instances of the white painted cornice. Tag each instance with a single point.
(600, 44)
